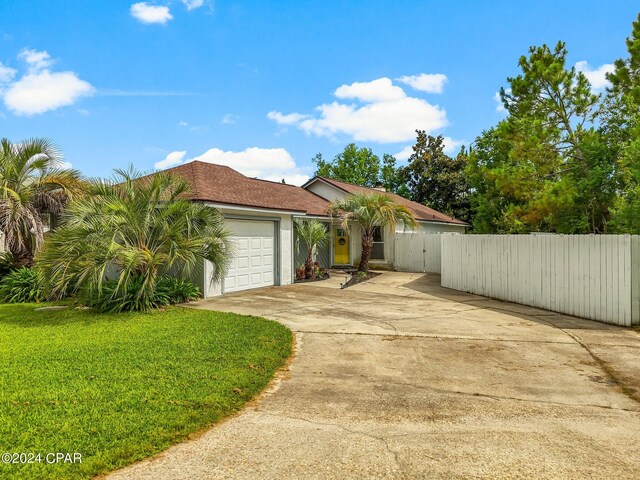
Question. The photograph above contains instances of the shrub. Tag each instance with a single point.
(131, 297)
(22, 286)
(178, 291)
(133, 228)
(300, 272)
(7, 264)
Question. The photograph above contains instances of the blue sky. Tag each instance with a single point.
(263, 86)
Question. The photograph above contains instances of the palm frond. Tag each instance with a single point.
(132, 228)
(368, 211)
(32, 184)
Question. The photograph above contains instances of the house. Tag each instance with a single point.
(345, 248)
(260, 214)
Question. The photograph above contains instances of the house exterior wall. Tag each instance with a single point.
(326, 191)
(332, 193)
(432, 227)
(390, 239)
(284, 249)
(356, 248)
(323, 253)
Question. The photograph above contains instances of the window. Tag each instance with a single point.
(377, 252)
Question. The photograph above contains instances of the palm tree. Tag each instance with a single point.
(370, 210)
(133, 229)
(314, 234)
(32, 186)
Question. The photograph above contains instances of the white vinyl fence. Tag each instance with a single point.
(590, 276)
(417, 252)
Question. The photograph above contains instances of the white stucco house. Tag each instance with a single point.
(261, 213)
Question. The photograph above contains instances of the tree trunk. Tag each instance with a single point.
(309, 271)
(23, 258)
(367, 245)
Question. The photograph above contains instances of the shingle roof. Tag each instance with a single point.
(421, 212)
(220, 184)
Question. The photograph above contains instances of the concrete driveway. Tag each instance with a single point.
(400, 378)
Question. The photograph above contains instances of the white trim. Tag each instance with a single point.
(335, 187)
(346, 192)
(225, 206)
(444, 223)
(313, 217)
(382, 236)
(312, 181)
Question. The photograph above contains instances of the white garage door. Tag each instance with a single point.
(253, 265)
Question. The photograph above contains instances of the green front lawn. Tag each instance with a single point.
(119, 388)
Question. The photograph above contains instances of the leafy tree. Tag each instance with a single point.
(33, 186)
(368, 211)
(622, 129)
(553, 170)
(490, 198)
(314, 234)
(392, 177)
(625, 80)
(133, 229)
(360, 166)
(437, 180)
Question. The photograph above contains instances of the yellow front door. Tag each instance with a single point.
(341, 247)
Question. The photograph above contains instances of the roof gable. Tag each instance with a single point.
(421, 212)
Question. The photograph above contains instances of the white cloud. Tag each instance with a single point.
(290, 119)
(147, 13)
(36, 60)
(171, 160)
(39, 89)
(40, 92)
(252, 161)
(380, 90)
(266, 163)
(229, 119)
(498, 100)
(385, 115)
(290, 179)
(596, 76)
(451, 146)
(405, 153)
(182, 123)
(64, 165)
(425, 82)
(6, 73)
(499, 104)
(193, 4)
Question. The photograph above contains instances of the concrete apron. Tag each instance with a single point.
(400, 378)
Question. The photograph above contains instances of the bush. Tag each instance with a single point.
(169, 290)
(7, 264)
(178, 291)
(22, 286)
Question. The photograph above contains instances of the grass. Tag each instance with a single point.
(119, 388)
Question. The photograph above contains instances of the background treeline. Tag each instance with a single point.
(565, 159)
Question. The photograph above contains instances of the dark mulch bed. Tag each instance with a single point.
(317, 279)
(358, 277)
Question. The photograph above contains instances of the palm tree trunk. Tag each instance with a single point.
(367, 245)
(309, 271)
(23, 258)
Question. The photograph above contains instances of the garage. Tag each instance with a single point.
(253, 264)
